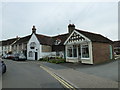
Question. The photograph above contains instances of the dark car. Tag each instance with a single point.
(3, 67)
(19, 57)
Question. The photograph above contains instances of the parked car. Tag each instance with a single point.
(7, 56)
(3, 67)
(10, 56)
(19, 57)
(4, 56)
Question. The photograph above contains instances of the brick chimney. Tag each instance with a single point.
(34, 30)
(71, 28)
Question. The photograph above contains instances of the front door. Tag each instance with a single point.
(79, 52)
(36, 55)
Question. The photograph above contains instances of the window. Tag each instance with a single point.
(32, 45)
(69, 52)
(57, 42)
(74, 51)
(85, 51)
(30, 54)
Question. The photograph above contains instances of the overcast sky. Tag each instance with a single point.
(52, 18)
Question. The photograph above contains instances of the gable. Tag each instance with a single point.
(33, 39)
(76, 37)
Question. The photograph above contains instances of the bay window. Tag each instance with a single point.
(80, 51)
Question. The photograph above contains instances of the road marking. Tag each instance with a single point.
(66, 84)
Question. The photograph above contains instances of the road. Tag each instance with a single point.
(23, 74)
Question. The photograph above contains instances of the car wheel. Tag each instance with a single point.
(3, 69)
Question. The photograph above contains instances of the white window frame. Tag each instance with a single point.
(88, 51)
(72, 51)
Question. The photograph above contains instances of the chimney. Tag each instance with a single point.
(17, 37)
(34, 30)
(71, 28)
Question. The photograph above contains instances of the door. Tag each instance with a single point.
(79, 52)
(36, 55)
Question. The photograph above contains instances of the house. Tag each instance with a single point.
(40, 46)
(20, 46)
(6, 45)
(117, 47)
(86, 47)
(75, 46)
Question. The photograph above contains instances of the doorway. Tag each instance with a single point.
(79, 52)
(36, 55)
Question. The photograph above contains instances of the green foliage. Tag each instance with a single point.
(44, 59)
(56, 60)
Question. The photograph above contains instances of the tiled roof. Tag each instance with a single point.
(62, 37)
(44, 40)
(95, 37)
(117, 43)
(47, 40)
(8, 42)
(23, 39)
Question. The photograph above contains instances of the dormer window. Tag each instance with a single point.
(32, 45)
(57, 41)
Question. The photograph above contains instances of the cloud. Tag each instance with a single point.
(52, 18)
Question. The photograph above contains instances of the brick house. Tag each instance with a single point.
(87, 47)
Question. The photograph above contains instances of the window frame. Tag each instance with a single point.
(82, 51)
(68, 47)
(30, 54)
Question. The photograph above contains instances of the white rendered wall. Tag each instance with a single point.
(37, 48)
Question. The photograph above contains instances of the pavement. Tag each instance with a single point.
(79, 79)
(107, 70)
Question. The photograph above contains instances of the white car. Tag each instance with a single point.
(19, 57)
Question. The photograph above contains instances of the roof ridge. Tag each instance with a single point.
(60, 35)
(25, 36)
(43, 35)
(88, 32)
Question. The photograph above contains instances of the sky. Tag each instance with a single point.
(52, 18)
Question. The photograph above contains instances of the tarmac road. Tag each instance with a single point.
(22, 74)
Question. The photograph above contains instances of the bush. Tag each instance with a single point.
(57, 61)
(44, 59)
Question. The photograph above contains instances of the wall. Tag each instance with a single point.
(101, 52)
(46, 48)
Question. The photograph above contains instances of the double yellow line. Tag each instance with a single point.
(66, 84)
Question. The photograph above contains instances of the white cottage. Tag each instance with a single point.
(39, 46)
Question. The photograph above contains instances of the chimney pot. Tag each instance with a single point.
(34, 29)
(71, 28)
